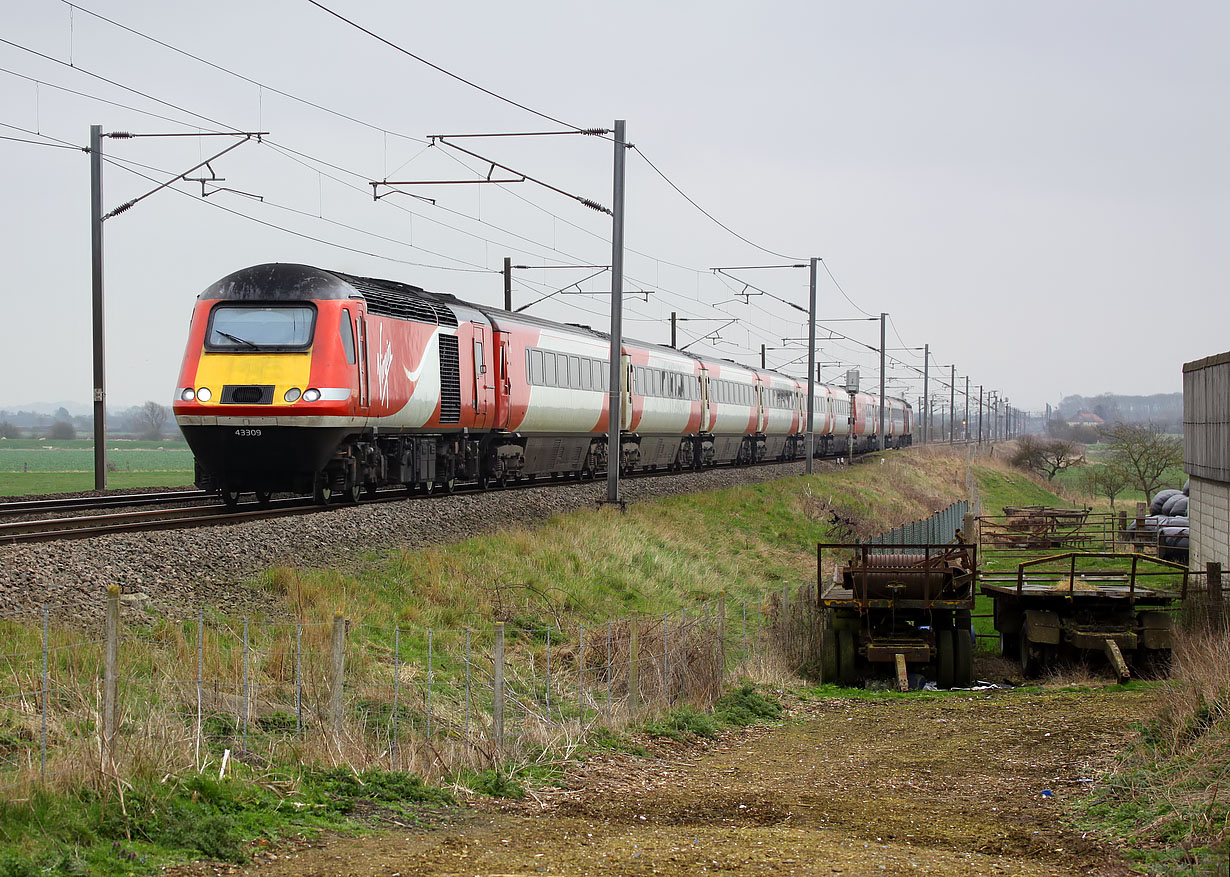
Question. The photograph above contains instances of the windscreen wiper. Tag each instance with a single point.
(235, 338)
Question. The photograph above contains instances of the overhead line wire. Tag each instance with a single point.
(246, 79)
(440, 69)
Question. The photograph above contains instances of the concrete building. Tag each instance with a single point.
(1206, 457)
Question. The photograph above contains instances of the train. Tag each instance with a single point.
(300, 379)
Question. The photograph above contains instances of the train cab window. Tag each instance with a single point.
(346, 330)
(248, 327)
(479, 365)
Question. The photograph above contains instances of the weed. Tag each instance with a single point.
(746, 706)
(494, 783)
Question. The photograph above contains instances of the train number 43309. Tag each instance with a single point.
(248, 433)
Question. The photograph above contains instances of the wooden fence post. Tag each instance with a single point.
(1216, 605)
(497, 693)
(634, 665)
(337, 674)
(111, 656)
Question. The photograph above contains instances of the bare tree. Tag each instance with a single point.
(9, 430)
(1048, 457)
(1108, 480)
(149, 420)
(62, 429)
(1144, 452)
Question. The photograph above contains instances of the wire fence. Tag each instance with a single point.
(77, 710)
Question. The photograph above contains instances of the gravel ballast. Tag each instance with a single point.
(173, 572)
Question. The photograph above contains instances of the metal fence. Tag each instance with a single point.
(940, 528)
(79, 709)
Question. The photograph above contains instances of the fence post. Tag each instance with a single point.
(609, 673)
(1213, 583)
(430, 679)
(683, 639)
(338, 670)
(634, 665)
(245, 684)
(42, 751)
(547, 674)
(298, 677)
(396, 747)
(666, 658)
(467, 727)
(200, 682)
(721, 635)
(497, 693)
(581, 675)
(744, 647)
(111, 655)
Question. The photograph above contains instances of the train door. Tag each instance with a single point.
(503, 382)
(625, 397)
(482, 378)
(365, 395)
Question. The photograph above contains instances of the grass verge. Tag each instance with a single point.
(1168, 797)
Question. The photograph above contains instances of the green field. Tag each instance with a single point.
(33, 466)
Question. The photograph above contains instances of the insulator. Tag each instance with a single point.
(593, 205)
(596, 132)
(117, 211)
(120, 135)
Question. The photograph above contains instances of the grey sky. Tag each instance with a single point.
(1037, 190)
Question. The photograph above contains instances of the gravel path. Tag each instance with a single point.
(174, 572)
(960, 784)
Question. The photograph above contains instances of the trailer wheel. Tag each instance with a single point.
(1009, 645)
(963, 659)
(828, 654)
(1033, 655)
(943, 658)
(845, 657)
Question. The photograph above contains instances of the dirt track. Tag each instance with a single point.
(946, 785)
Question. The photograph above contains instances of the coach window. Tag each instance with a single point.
(548, 370)
(574, 372)
(346, 329)
(536, 368)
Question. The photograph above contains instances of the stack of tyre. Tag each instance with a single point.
(1168, 522)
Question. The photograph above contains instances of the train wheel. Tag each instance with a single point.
(428, 488)
(264, 498)
(963, 658)
(322, 493)
(230, 498)
(450, 486)
(352, 492)
(943, 658)
(846, 655)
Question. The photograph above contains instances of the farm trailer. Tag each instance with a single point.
(900, 605)
(1056, 607)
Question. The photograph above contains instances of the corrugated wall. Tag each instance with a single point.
(1206, 418)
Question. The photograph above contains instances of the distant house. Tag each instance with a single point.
(1085, 418)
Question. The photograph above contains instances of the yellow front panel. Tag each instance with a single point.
(283, 370)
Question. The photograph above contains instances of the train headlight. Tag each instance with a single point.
(311, 395)
(203, 394)
(187, 394)
(292, 395)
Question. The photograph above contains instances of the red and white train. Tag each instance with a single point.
(301, 379)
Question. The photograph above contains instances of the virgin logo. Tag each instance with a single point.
(384, 362)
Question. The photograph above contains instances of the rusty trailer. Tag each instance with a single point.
(904, 606)
(1055, 607)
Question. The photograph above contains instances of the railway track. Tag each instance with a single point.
(216, 514)
(86, 503)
